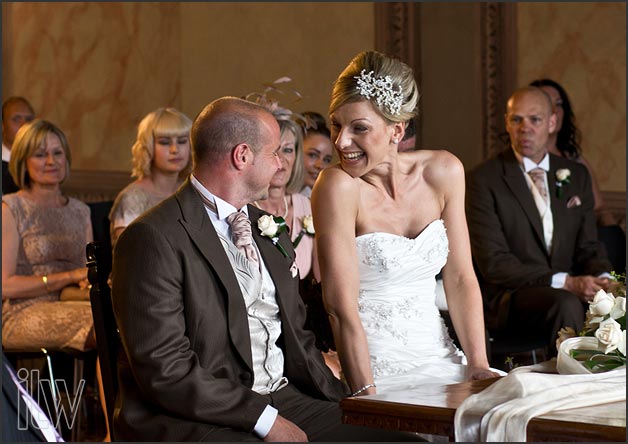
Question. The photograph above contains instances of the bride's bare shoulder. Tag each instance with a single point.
(439, 165)
(333, 180)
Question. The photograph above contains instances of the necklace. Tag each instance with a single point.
(285, 203)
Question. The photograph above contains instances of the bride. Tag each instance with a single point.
(386, 223)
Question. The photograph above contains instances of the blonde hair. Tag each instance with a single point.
(295, 183)
(345, 89)
(28, 139)
(163, 122)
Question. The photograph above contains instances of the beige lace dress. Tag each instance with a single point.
(130, 203)
(51, 240)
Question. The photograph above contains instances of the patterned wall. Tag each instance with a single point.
(583, 47)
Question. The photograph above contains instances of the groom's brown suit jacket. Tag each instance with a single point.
(507, 232)
(187, 365)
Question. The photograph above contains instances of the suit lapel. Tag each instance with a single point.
(277, 264)
(518, 186)
(203, 234)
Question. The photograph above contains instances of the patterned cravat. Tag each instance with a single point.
(242, 236)
(538, 177)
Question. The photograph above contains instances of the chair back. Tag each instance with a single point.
(107, 336)
(614, 240)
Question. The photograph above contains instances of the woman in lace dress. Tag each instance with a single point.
(386, 222)
(44, 234)
(161, 161)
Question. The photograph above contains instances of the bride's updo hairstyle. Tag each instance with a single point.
(386, 82)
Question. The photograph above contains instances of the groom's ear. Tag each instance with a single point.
(241, 154)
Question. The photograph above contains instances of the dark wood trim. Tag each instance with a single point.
(499, 70)
(96, 186)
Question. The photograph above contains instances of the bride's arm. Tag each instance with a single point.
(461, 286)
(335, 207)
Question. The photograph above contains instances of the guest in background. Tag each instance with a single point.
(16, 111)
(565, 141)
(317, 149)
(161, 161)
(408, 143)
(533, 237)
(284, 199)
(44, 234)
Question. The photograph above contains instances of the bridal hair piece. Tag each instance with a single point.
(380, 88)
(385, 81)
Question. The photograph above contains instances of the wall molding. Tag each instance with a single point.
(499, 64)
(96, 186)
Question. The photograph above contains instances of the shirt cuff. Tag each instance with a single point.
(558, 280)
(265, 421)
(606, 275)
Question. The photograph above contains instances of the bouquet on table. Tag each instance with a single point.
(601, 345)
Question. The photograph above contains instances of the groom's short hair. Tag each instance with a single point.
(223, 124)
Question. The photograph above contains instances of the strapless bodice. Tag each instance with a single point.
(397, 304)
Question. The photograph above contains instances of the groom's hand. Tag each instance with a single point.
(285, 431)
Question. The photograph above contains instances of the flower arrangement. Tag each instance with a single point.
(601, 345)
(562, 178)
(308, 228)
(271, 227)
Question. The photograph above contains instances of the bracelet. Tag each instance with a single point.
(360, 390)
(44, 279)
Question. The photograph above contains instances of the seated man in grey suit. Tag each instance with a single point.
(532, 227)
(208, 308)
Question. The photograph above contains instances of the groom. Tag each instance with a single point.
(533, 233)
(208, 309)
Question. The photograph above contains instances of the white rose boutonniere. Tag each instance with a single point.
(308, 228)
(271, 227)
(562, 177)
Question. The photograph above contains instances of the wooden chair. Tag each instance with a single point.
(107, 336)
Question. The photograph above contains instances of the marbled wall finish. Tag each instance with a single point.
(96, 69)
(583, 47)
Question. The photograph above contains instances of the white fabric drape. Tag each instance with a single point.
(501, 412)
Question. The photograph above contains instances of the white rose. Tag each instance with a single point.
(563, 174)
(602, 303)
(610, 335)
(267, 225)
(619, 308)
(308, 224)
(622, 343)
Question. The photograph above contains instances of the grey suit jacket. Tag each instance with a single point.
(187, 366)
(507, 232)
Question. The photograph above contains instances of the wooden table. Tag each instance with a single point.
(432, 411)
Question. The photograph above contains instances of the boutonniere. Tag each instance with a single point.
(308, 228)
(271, 227)
(562, 177)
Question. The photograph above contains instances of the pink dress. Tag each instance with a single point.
(305, 251)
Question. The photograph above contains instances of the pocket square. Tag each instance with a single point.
(574, 201)
(294, 269)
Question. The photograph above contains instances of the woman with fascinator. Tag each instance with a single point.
(386, 224)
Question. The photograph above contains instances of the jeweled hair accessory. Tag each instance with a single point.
(381, 88)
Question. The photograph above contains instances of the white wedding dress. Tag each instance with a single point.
(408, 341)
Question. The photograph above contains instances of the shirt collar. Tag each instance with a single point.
(223, 208)
(529, 165)
(6, 153)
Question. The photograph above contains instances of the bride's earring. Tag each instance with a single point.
(395, 141)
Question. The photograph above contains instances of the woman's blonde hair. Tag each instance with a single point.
(295, 183)
(28, 139)
(346, 90)
(163, 122)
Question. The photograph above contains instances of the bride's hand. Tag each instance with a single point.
(477, 373)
